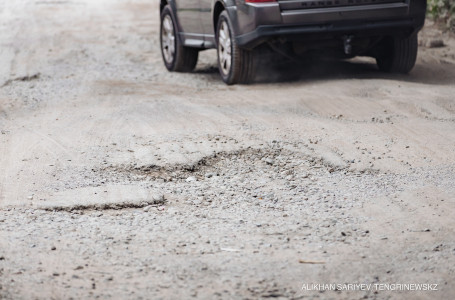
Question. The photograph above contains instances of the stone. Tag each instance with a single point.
(191, 179)
(158, 197)
(435, 43)
(269, 161)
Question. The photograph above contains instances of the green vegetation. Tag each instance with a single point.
(443, 11)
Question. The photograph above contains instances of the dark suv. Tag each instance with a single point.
(383, 29)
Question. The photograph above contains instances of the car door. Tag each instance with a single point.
(188, 14)
(207, 22)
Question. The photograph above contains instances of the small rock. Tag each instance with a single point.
(209, 175)
(438, 247)
(147, 208)
(435, 43)
(158, 197)
(269, 161)
(30, 197)
(53, 248)
(191, 179)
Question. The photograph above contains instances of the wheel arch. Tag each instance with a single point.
(218, 8)
(163, 3)
(173, 8)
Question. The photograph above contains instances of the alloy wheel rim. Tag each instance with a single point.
(224, 48)
(168, 39)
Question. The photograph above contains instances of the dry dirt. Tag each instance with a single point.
(122, 180)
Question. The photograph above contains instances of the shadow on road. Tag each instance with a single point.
(353, 69)
(319, 69)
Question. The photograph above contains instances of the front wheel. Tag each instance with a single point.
(236, 65)
(399, 54)
(176, 57)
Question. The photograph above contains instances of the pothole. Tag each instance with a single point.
(264, 175)
(273, 159)
(270, 176)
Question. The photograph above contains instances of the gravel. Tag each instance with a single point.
(121, 180)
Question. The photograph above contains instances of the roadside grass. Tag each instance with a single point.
(443, 12)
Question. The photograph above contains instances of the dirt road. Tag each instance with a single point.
(121, 180)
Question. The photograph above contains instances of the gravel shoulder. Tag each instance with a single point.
(122, 180)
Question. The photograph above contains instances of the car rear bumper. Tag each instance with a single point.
(256, 23)
(360, 29)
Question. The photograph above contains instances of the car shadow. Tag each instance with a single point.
(316, 69)
(319, 69)
(207, 70)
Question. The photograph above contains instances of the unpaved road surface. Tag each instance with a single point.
(121, 180)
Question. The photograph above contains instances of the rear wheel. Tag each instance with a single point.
(176, 57)
(236, 65)
(399, 54)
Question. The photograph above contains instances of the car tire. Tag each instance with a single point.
(236, 65)
(399, 54)
(176, 57)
